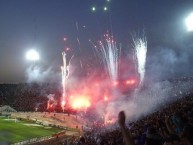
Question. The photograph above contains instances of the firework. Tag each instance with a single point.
(140, 47)
(64, 80)
(109, 53)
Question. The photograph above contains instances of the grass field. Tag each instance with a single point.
(12, 132)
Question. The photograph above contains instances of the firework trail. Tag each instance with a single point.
(109, 53)
(140, 50)
(68, 68)
(64, 80)
(65, 74)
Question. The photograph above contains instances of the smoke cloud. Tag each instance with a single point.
(168, 78)
(151, 98)
(41, 75)
(166, 63)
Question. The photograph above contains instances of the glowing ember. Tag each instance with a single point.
(105, 98)
(65, 38)
(67, 49)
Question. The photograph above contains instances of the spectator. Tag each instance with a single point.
(127, 136)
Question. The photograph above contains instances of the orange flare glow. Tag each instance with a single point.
(80, 103)
(130, 82)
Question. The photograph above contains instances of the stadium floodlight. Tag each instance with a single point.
(93, 9)
(189, 22)
(32, 55)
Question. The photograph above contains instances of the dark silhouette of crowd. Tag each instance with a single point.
(172, 125)
(27, 96)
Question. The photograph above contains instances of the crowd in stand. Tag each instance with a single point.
(27, 97)
(171, 126)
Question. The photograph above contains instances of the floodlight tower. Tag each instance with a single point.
(32, 55)
(189, 22)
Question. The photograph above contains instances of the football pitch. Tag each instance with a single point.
(13, 132)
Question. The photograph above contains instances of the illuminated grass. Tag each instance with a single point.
(12, 132)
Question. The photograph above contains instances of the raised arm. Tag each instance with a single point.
(127, 135)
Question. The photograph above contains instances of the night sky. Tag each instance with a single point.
(43, 24)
